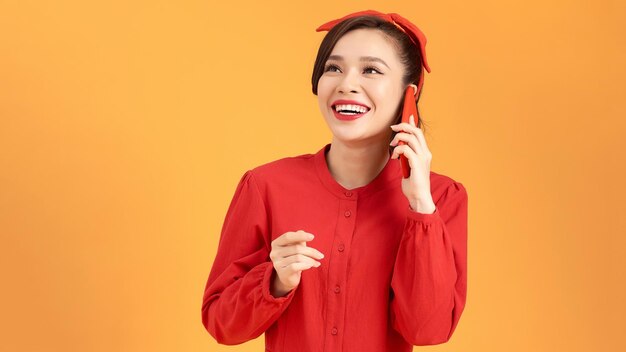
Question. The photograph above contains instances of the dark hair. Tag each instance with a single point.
(408, 52)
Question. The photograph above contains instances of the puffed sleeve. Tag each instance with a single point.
(429, 282)
(237, 305)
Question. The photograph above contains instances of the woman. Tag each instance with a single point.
(336, 251)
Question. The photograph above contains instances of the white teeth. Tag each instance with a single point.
(359, 108)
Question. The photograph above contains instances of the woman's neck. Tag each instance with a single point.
(355, 166)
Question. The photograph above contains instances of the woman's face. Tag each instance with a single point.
(363, 68)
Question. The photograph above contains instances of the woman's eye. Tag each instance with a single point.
(372, 68)
(330, 67)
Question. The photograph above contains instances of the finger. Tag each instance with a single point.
(408, 128)
(295, 267)
(285, 251)
(301, 249)
(293, 237)
(422, 140)
(296, 258)
(406, 151)
(404, 127)
(408, 138)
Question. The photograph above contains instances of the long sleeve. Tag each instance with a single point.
(237, 305)
(429, 283)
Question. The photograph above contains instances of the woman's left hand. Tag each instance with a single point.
(416, 187)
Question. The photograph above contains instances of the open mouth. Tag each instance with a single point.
(350, 110)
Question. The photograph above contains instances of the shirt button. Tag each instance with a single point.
(348, 194)
(334, 331)
(347, 213)
(337, 289)
(341, 247)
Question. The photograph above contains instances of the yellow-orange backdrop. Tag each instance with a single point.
(125, 126)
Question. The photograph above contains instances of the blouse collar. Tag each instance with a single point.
(389, 176)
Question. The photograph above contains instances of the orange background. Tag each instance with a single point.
(126, 125)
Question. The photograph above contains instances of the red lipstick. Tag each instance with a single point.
(348, 117)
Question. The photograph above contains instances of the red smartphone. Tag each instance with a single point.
(409, 109)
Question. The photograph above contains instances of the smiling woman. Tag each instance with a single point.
(336, 250)
(410, 56)
(348, 71)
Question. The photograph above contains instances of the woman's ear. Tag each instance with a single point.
(414, 89)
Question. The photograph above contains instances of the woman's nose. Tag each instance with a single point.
(349, 83)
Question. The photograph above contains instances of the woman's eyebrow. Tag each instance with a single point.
(363, 58)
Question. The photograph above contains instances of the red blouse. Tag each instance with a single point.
(390, 277)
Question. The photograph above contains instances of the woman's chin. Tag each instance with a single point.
(354, 139)
(348, 136)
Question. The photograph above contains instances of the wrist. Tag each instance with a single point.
(423, 206)
(278, 289)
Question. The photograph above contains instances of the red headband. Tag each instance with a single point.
(417, 37)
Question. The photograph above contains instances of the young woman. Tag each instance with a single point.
(337, 251)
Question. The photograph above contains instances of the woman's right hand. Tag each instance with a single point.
(291, 256)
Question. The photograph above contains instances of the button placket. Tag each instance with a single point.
(337, 270)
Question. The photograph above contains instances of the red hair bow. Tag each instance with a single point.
(415, 34)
